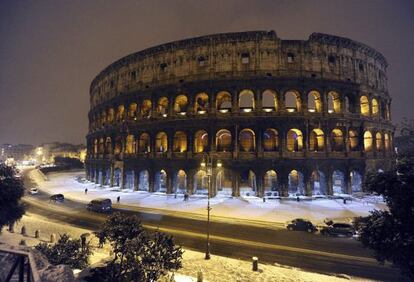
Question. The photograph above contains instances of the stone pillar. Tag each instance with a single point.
(136, 179)
(123, 180)
(308, 185)
(170, 177)
(190, 181)
(235, 183)
(151, 178)
(103, 176)
(259, 101)
(212, 103)
(235, 142)
(111, 178)
(235, 101)
(260, 184)
(329, 184)
(259, 142)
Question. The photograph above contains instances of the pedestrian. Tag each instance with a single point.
(344, 201)
(86, 191)
(185, 197)
(83, 241)
(118, 199)
(297, 199)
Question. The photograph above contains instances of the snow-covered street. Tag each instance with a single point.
(244, 209)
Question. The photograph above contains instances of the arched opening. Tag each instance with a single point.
(246, 101)
(201, 141)
(146, 108)
(162, 106)
(224, 183)
(180, 182)
(353, 140)
(269, 101)
(387, 142)
(108, 145)
(223, 141)
(316, 140)
(118, 146)
(247, 140)
(248, 185)
(107, 180)
(129, 179)
(161, 142)
(270, 140)
(144, 143)
(375, 107)
(143, 181)
(160, 181)
(120, 115)
(117, 177)
(334, 102)
(181, 104)
(294, 140)
(314, 102)
(296, 185)
(367, 141)
(201, 103)
(111, 115)
(270, 184)
(130, 144)
(180, 142)
(201, 183)
(318, 183)
(356, 181)
(378, 141)
(337, 139)
(338, 182)
(132, 111)
(103, 118)
(223, 102)
(364, 105)
(95, 147)
(292, 101)
(101, 146)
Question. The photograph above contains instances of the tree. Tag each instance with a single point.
(138, 255)
(66, 251)
(11, 190)
(390, 233)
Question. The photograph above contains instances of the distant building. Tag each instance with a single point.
(18, 152)
(49, 151)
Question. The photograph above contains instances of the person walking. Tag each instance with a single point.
(118, 199)
(86, 191)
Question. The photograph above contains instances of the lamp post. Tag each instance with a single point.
(207, 164)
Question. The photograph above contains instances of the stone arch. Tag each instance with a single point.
(270, 140)
(146, 108)
(161, 180)
(294, 140)
(144, 145)
(368, 141)
(317, 140)
(144, 179)
(118, 146)
(223, 102)
(162, 106)
(378, 141)
(364, 105)
(180, 182)
(161, 142)
(117, 177)
(247, 140)
(292, 101)
(108, 145)
(181, 104)
(201, 103)
(111, 115)
(270, 184)
(130, 144)
(201, 141)
(337, 140)
(129, 179)
(248, 183)
(201, 183)
(246, 100)
(353, 140)
(103, 118)
(338, 183)
(223, 140)
(120, 114)
(318, 183)
(374, 107)
(296, 184)
(101, 146)
(356, 181)
(180, 142)
(387, 144)
(132, 111)
(224, 183)
(314, 102)
(269, 101)
(334, 102)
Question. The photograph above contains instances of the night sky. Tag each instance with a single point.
(51, 50)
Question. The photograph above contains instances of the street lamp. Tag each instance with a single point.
(207, 165)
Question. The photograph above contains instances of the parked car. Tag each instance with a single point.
(300, 224)
(57, 197)
(33, 191)
(100, 205)
(338, 229)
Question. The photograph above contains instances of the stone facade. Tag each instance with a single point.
(282, 116)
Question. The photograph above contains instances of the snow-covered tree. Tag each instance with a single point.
(11, 190)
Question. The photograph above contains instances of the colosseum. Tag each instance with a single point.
(273, 117)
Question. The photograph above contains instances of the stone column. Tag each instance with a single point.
(170, 177)
(190, 181)
(151, 178)
(329, 183)
(235, 183)
(235, 101)
(103, 176)
(111, 178)
(136, 180)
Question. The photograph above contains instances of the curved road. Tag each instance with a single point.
(272, 245)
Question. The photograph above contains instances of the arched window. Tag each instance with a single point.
(292, 101)
(247, 140)
(378, 141)
(181, 104)
(118, 146)
(130, 144)
(387, 144)
(108, 145)
(334, 102)
(180, 182)
(132, 111)
(223, 102)
(201, 141)
(270, 140)
(270, 181)
(103, 118)
(364, 105)
(180, 142)
(294, 140)
(246, 100)
(95, 146)
(101, 146)
(353, 140)
(201, 103)
(316, 140)
(314, 102)
(160, 184)
(269, 101)
(161, 142)
(296, 184)
(375, 108)
(223, 140)
(144, 143)
(111, 115)
(146, 108)
(120, 115)
(162, 106)
(367, 141)
(337, 139)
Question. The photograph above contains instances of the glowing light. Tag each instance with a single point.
(219, 163)
(224, 110)
(247, 110)
(311, 110)
(164, 115)
(202, 112)
(330, 111)
(203, 164)
(183, 113)
(291, 110)
(268, 110)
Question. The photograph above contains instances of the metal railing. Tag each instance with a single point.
(23, 267)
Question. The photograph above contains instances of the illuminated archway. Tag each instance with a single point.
(223, 102)
(144, 145)
(132, 111)
(162, 106)
(292, 101)
(146, 108)
(269, 101)
(353, 140)
(143, 181)
(247, 140)
(270, 140)
(270, 184)
(160, 181)
(130, 144)
(368, 141)
(318, 183)
(223, 140)
(356, 181)
(296, 184)
(118, 146)
(201, 183)
(374, 107)
(180, 142)
(180, 182)
(248, 185)
(201, 141)
(314, 102)
(224, 183)
(317, 140)
(337, 140)
(161, 142)
(338, 182)
(201, 103)
(181, 104)
(246, 100)
(120, 115)
(387, 143)
(294, 140)
(364, 105)
(111, 115)
(108, 145)
(378, 141)
(334, 102)
(101, 146)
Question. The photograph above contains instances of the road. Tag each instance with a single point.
(311, 252)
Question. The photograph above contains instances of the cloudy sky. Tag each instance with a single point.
(51, 50)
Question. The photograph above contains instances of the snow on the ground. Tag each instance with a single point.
(242, 208)
(216, 269)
